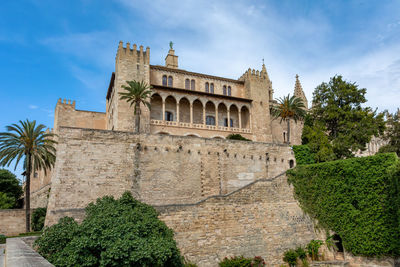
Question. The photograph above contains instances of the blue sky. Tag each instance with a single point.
(51, 49)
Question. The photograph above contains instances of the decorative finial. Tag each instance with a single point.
(263, 61)
(297, 76)
(171, 44)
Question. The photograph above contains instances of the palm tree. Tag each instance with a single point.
(32, 144)
(289, 107)
(136, 93)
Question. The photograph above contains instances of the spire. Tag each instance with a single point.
(264, 71)
(171, 60)
(298, 91)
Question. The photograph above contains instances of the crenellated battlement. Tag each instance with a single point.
(133, 53)
(66, 102)
(252, 74)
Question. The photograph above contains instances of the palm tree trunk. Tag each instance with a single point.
(288, 131)
(28, 193)
(137, 118)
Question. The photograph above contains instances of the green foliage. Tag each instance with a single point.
(10, 190)
(313, 248)
(189, 264)
(236, 262)
(2, 239)
(6, 202)
(122, 232)
(301, 253)
(237, 137)
(290, 256)
(392, 134)
(38, 217)
(356, 198)
(338, 114)
(303, 154)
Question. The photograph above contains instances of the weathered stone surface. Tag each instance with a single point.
(12, 222)
(19, 254)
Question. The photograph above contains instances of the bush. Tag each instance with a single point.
(236, 262)
(122, 232)
(2, 239)
(11, 189)
(313, 248)
(356, 198)
(290, 257)
(38, 217)
(237, 137)
(303, 155)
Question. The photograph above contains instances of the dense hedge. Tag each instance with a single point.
(115, 232)
(38, 218)
(357, 198)
(303, 155)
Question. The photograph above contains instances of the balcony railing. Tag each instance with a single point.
(199, 126)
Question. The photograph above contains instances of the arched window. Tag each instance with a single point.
(210, 120)
(291, 163)
(170, 81)
(212, 88)
(187, 84)
(169, 116)
(284, 137)
(207, 87)
(164, 80)
(229, 90)
(193, 85)
(226, 122)
(224, 90)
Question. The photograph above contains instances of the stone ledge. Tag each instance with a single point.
(18, 254)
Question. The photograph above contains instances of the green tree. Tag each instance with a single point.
(337, 111)
(289, 108)
(34, 145)
(392, 134)
(115, 232)
(136, 93)
(11, 188)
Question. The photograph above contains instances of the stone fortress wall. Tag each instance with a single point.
(157, 169)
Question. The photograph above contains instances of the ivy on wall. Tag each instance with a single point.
(357, 198)
(303, 154)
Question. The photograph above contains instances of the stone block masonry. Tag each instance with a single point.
(12, 222)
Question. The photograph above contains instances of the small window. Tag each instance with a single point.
(212, 88)
(35, 175)
(207, 87)
(193, 85)
(224, 90)
(169, 116)
(210, 120)
(291, 163)
(226, 122)
(170, 81)
(164, 80)
(229, 90)
(187, 84)
(284, 137)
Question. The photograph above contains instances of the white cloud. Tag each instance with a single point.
(33, 106)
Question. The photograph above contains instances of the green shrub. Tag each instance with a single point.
(237, 137)
(122, 232)
(290, 256)
(38, 217)
(313, 248)
(10, 190)
(236, 262)
(303, 155)
(356, 198)
(301, 253)
(2, 239)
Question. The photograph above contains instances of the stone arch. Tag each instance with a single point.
(156, 107)
(163, 133)
(218, 137)
(184, 110)
(234, 114)
(222, 113)
(245, 117)
(192, 134)
(197, 112)
(210, 113)
(170, 108)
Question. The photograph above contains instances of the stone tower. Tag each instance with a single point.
(298, 91)
(130, 64)
(258, 87)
